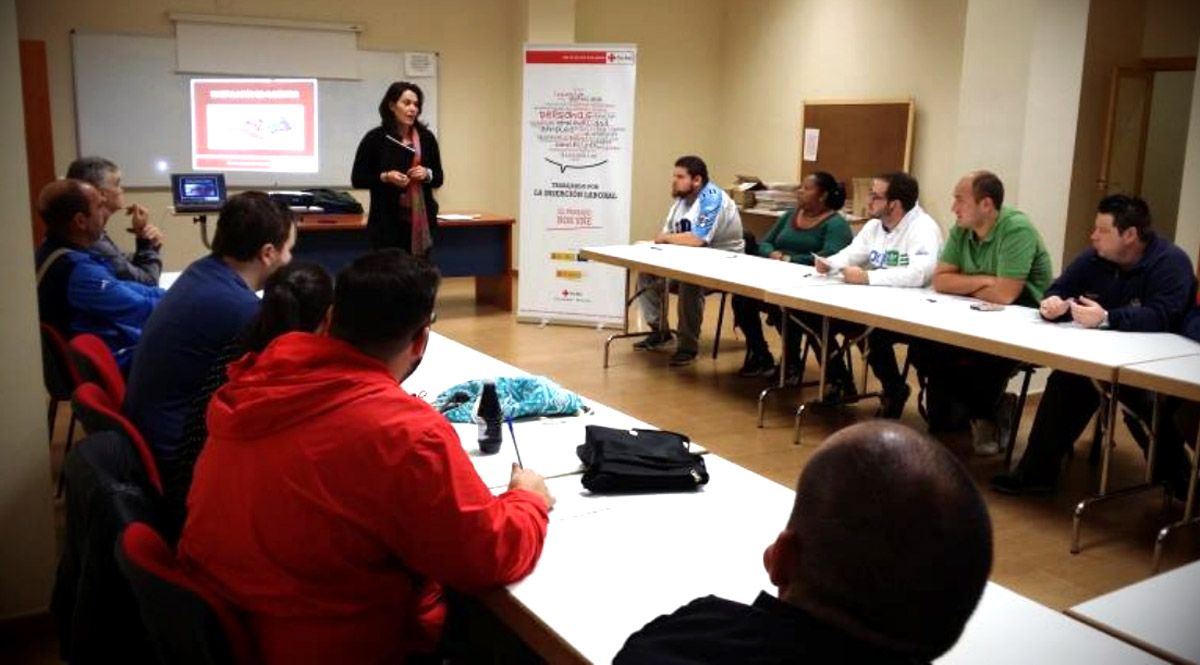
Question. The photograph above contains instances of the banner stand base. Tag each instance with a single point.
(580, 323)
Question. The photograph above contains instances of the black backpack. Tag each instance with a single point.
(334, 202)
(639, 460)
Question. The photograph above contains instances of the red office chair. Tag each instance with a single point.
(96, 411)
(187, 623)
(60, 376)
(96, 364)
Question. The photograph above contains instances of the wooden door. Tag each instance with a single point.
(1125, 131)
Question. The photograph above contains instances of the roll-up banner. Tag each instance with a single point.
(576, 179)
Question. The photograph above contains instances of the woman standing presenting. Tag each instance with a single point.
(400, 163)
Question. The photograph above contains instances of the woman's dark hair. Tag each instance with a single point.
(295, 298)
(386, 117)
(834, 191)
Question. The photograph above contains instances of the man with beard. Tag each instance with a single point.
(898, 247)
(703, 215)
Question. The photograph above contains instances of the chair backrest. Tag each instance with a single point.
(58, 372)
(95, 363)
(105, 489)
(95, 409)
(187, 623)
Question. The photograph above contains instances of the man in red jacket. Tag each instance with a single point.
(329, 505)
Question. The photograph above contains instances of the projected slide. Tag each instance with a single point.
(254, 125)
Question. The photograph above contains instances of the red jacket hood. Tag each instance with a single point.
(300, 375)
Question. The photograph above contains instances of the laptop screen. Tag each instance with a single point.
(198, 192)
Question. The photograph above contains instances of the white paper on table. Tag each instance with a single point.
(812, 136)
(457, 217)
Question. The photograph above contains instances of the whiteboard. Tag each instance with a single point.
(133, 108)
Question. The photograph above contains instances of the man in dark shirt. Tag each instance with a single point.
(144, 265)
(210, 304)
(1129, 280)
(883, 560)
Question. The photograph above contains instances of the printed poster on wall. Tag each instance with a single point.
(576, 178)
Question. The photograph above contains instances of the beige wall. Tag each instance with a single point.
(1187, 232)
(1051, 118)
(995, 74)
(1019, 101)
(27, 555)
(1166, 143)
(1110, 43)
(679, 107)
(479, 43)
(777, 53)
(549, 21)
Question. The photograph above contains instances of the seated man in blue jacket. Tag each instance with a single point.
(1129, 280)
(145, 264)
(209, 307)
(78, 292)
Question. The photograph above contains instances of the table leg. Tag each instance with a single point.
(1189, 508)
(1110, 416)
(782, 383)
(494, 290)
(624, 334)
(820, 379)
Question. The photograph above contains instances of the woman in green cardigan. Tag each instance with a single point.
(815, 228)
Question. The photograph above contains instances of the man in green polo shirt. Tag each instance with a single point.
(994, 254)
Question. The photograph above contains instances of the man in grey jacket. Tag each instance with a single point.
(144, 265)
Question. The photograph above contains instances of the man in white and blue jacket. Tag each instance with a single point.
(702, 215)
(1129, 280)
(78, 292)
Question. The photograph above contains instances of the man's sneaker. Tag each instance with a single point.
(653, 341)
(681, 358)
(1006, 419)
(1017, 484)
(757, 364)
(891, 403)
(839, 389)
(983, 438)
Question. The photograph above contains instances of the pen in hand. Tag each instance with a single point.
(513, 434)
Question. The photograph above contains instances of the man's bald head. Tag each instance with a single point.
(891, 538)
(72, 211)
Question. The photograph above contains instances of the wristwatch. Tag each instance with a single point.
(1104, 322)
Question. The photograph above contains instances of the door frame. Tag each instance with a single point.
(1147, 67)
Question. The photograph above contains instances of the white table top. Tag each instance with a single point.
(660, 551)
(1015, 332)
(1010, 628)
(717, 269)
(547, 445)
(1178, 377)
(1161, 613)
(166, 279)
